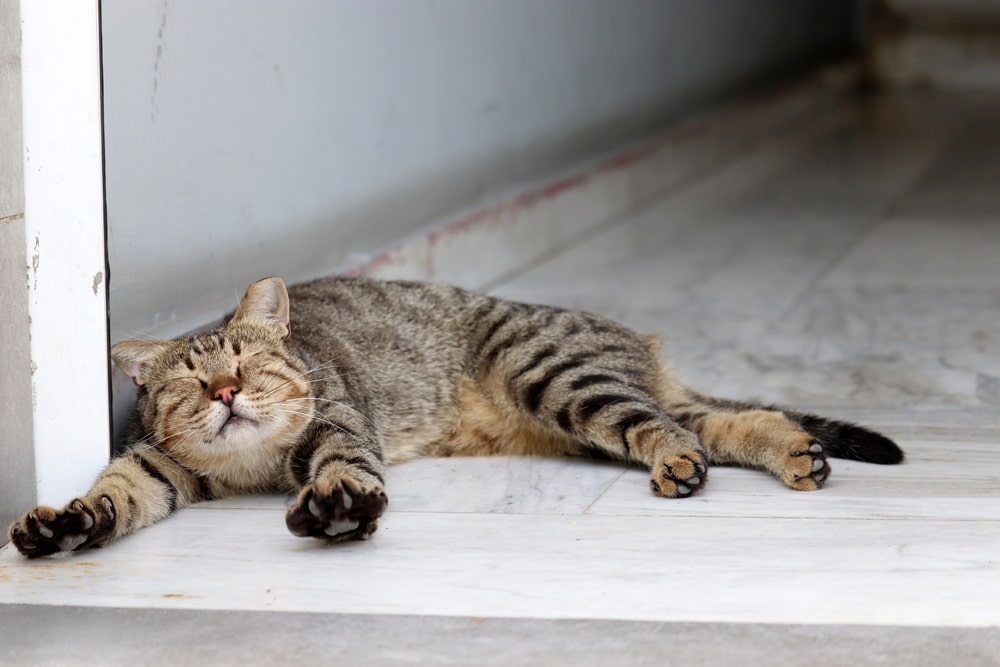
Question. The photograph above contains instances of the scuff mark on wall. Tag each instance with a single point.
(11, 218)
(164, 7)
(98, 278)
(36, 260)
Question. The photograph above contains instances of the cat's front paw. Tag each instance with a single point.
(680, 475)
(336, 510)
(44, 530)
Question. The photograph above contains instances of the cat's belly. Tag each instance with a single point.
(476, 424)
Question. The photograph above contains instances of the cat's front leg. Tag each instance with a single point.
(137, 489)
(342, 486)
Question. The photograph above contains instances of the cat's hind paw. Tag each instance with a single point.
(44, 530)
(679, 476)
(805, 467)
(337, 510)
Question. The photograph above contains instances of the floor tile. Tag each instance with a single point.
(499, 485)
(962, 184)
(913, 572)
(938, 480)
(170, 636)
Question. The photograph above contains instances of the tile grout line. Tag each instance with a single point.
(586, 510)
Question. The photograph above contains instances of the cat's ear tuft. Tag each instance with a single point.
(134, 357)
(266, 301)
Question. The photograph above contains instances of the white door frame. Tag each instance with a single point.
(64, 235)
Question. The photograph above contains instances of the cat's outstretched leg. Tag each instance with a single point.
(766, 440)
(338, 468)
(137, 489)
(790, 445)
(594, 381)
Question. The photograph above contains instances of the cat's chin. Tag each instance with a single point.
(238, 433)
(242, 434)
(238, 426)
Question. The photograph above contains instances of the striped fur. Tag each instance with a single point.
(316, 389)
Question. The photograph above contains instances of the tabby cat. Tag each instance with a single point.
(373, 373)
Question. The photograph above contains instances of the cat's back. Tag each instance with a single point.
(402, 346)
(398, 335)
(371, 308)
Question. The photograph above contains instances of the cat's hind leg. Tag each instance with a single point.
(588, 378)
(792, 445)
(756, 437)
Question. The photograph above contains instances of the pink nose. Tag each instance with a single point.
(225, 394)
(224, 387)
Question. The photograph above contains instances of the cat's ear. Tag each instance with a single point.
(134, 357)
(266, 301)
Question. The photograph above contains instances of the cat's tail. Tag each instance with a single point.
(844, 440)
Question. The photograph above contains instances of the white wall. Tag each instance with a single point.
(64, 237)
(248, 138)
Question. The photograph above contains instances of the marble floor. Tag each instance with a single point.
(849, 264)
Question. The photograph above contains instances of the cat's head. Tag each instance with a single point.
(235, 391)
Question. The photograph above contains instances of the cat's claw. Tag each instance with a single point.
(340, 510)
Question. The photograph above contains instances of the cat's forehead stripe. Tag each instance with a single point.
(215, 342)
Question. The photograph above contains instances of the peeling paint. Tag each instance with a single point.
(34, 385)
(36, 260)
(98, 279)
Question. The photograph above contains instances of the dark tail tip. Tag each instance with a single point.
(850, 441)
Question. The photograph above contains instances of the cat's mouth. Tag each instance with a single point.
(236, 422)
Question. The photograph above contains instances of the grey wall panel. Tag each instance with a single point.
(17, 472)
